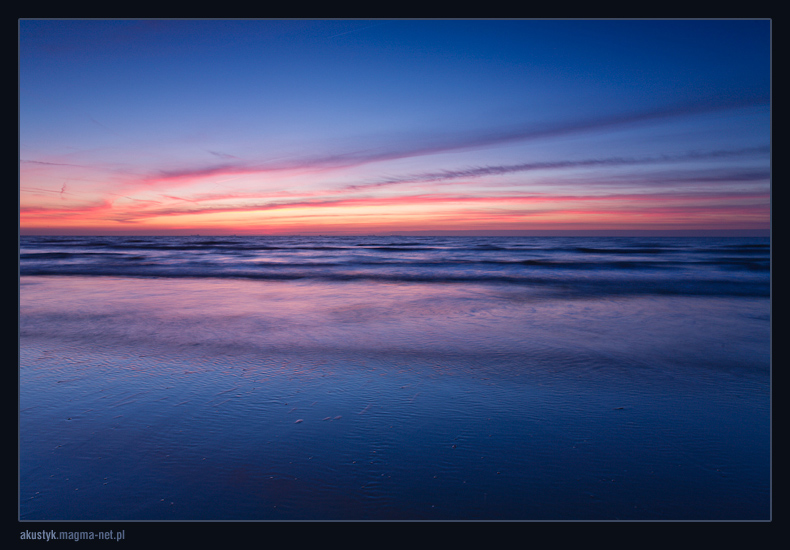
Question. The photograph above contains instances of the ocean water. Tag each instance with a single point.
(394, 378)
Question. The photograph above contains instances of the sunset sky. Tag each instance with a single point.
(392, 126)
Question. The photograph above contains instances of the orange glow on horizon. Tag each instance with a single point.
(203, 202)
(407, 212)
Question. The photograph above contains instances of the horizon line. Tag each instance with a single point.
(455, 233)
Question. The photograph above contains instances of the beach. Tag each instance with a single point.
(388, 395)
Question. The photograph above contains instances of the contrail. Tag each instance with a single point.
(359, 29)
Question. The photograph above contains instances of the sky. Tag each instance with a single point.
(283, 127)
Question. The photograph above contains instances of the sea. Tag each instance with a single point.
(394, 378)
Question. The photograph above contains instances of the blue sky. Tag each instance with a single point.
(293, 126)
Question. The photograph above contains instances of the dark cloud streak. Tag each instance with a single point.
(476, 172)
(472, 139)
(49, 163)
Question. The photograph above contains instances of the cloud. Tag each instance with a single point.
(63, 211)
(201, 171)
(510, 204)
(394, 148)
(48, 163)
(476, 172)
(479, 138)
(731, 175)
(222, 155)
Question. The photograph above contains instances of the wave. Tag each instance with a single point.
(701, 287)
(617, 265)
(613, 265)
